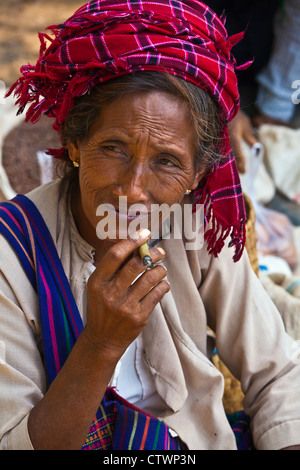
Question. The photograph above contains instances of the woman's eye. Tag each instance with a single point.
(112, 149)
(168, 162)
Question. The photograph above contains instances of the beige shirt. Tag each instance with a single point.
(205, 291)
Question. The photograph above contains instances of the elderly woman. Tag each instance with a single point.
(99, 350)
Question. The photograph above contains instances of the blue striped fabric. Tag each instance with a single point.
(117, 424)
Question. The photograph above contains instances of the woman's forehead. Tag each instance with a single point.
(153, 111)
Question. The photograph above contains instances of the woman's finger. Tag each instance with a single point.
(154, 296)
(146, 282)
(135, 267)
(119, 252)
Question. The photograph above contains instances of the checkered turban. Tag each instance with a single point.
(105, 39)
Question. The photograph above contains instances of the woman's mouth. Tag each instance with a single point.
(121, 222)
(131, 216)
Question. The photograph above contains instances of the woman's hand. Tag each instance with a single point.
(119, 304)
(118, 309)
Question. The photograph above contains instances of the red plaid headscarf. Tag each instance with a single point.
(108, 38)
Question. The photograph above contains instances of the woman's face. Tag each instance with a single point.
(143, 147)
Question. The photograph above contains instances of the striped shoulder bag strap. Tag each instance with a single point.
(118, 424)
(25, 229)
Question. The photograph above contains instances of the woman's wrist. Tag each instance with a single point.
(82, 382)
(100, 348)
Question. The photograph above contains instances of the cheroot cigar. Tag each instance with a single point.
(145, 255)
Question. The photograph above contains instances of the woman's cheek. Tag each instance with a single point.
(172, 188)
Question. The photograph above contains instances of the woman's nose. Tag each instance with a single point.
(134, 184)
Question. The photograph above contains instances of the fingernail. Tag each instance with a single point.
(162, 251)
(142, 234)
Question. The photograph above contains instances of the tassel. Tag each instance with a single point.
(61, 154)
(238, 240)
(215, 237)
(234, 39)
(223, 18)
(245, 65)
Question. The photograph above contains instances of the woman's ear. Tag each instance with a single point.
(198, 177)
(74, 152)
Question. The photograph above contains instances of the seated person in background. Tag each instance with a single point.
(272, 40)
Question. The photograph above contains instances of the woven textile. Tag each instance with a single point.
(105, 39)
(240, 424)
(122, 426)
(117, 424)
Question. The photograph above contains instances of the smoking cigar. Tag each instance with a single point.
(145, 255)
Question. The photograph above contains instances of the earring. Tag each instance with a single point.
(76, 164)
(188, 191)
